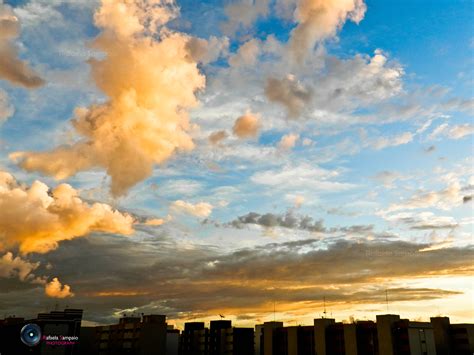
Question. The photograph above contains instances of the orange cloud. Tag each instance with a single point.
(150, 83)
(320, 19)
(247, 126)
(55, 289)
(16, 267)
(217, 137)
(12, 68)
(36, 218)
(288, 141)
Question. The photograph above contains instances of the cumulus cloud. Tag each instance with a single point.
(6, 109)
(247, 126)
(288, 141)
(55, 289)
(201, 209)
(318, 20)
(12, 68)
(207, 51)
(16, 267)
(243, 13)
(37, 218)
(217, 137)
(288, 92)
(247, 54)
(150, 83)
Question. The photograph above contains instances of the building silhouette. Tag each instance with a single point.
(144, 335)
(65, 323)
(151, 335)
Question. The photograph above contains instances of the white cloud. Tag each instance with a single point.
(302, 176)
(384, 142)
(201, 209)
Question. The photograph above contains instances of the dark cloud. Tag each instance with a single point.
(288, 92)
(287, 220)
(156, 274)
(291, 221)
(430, 149)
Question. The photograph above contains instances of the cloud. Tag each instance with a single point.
(217, 137)
(55, 289)
(288, 220)
(155, 222)
(302, 176)
(150, 80)
(37, 218)
(387, 178)
(454, 132)
(423, 220)
(384, 142)
(201, 209)
(242, 13)
(246, 55)
(173, 279)
(207, 51)
(247, 126)
(288, 92)
(444, 199)
(12, 68)
(16, 267)
(318, 20)
(6, 109)
(288, 141)
(297, 199)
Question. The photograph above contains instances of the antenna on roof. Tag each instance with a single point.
(386, 298)
(274, 310)
(324, 302)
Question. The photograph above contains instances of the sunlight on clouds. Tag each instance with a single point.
(201, 209)
(145, 120)
(36, 218)
(247, 126)
(12, 68)
(55, 289)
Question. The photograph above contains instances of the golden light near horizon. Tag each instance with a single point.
(261, 160)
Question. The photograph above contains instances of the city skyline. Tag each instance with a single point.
(260, 160)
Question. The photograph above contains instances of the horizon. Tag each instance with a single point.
(256, 159)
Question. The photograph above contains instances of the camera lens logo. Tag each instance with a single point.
(30, 334)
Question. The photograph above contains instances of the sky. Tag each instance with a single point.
(257, 159)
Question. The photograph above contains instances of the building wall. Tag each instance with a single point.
(172, 343)
(258, 338)
(320, 326)
(268, 329)
(385, 333)
(350, 339)
(421, 340)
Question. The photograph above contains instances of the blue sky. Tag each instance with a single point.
(370, 133)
